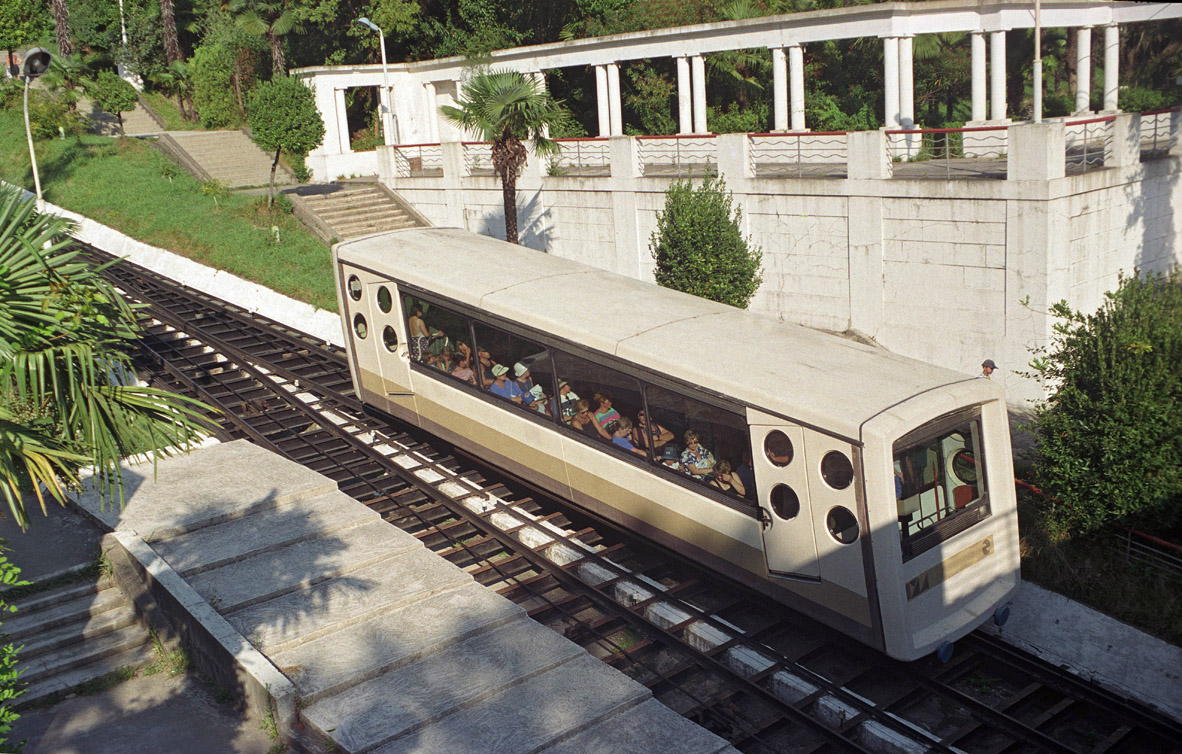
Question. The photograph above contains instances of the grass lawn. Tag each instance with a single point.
(126, 184)
(167, 108)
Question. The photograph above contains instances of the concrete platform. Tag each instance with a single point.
(354, 635)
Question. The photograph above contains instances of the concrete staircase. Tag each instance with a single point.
(353, 210)
(73, 635)
(229, 157)
(136, 122)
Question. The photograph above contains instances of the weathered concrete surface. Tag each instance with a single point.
(57, 542)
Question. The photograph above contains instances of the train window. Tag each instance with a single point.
(611, 397)
(385, 300)
(389, 338)
(836, 470)
(713, 445)
(360, 327)
(354, 286)
(515, 369)
(842, 525)
(778, 448)
(939, 482)
(785, 502)
(440, 338)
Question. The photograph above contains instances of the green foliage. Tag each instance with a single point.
(1139, 99)
(283, 116)
(1108, 436)
(10, 687)
(113, 94)
(212, 74)
(734, 119)
(652, 100)
(21, 24)
(699, 248)
(50, 117)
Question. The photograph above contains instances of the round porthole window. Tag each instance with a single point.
(354, 286)
(360, 327)
(385, 300)
(389, 338)
(964, 465)
(785, 503)
(842, 525)
(778, 448)
(836, 470)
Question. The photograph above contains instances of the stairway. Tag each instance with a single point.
(73, 635)
(230, 158)
(352, 210)
(136, 122)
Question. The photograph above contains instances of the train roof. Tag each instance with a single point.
(813, 377)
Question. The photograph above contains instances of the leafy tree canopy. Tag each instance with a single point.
(22, 22)
(283, 118)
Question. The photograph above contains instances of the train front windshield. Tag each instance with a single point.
(939, 481)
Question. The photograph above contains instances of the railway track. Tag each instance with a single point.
(752, 671)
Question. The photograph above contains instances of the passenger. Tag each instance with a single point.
(522, 377)
(584, 421)
(640, 433)
(484, 365)
(463, 369)
(746, 475)
(445, 361)
(669, 459)
(566, 401)
(606, 416)
(465, 349)
(726, 480)
(620, 437)
(536, 399)
(420, 336)
(697, 460)
(503, 387)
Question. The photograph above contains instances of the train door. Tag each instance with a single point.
(834, 482)
(781, 475)
(377, 332)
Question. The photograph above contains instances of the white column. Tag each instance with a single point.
(432, 112)
(601, 99)
(779, 89)
(613, 98)
(796, 85)
(906, 84)
(698, 66)
(1111, 67)
(1083, 69)
(342, 122)
(539, 78)
(978, 46)
(997, 75)
(685, 105)
(890, 81)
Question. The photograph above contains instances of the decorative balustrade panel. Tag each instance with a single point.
(798, 155)
(949, 153)
(1088, 142)
(581, 157)
(678, 155)
(418, 160)
(1156, 137)
(478, 158)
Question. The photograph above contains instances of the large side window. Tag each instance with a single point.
(515, 369)
(440, 338)
(709, 445)
(599, 402)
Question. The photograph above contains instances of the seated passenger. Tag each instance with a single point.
(746, 475)
(522, 377)
(536, 399)
(503, 387)
(484, 365)
(445, 361)
(566, 401)
(620, 437)
(584, 421)
(463, 369)
(697, 460)
(640, 433)
(420, 336)
(669, 459)
(726, 480)
(605, 415)
(465, 349)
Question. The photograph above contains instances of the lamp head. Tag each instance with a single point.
(366, 22)
(37, 62)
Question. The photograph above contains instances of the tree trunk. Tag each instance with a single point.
(271, 192)
(509, 195)
(120, 117)
(172, 46)
(238, 87)
(278, 63)
(61, 27)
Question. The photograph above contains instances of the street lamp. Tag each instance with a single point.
(1037, 83)
(37, 62)
(384, 99)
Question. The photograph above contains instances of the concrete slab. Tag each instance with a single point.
(383, 708)
(57, 542)
(649, 728)
(311, 561)
(220, 544)
(394, 638)
(527, 716)
(309, 613)
(207, 487)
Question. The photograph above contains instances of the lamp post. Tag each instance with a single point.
(1037, 83)
(384, 100)
(37, 62)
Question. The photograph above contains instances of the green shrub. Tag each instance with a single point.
(10, 686)
(1108, 436)
(698, 246)
(283, 117)
(212, 71)
(50, 117)
(114, 95)
(1139, 99)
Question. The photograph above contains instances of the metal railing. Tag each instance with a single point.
(1156, 137)
(688, 155)
(1149, 552)
(1088, 143)
(812, 154)
(948, 153)
(582, 157)
(478, 158)
(418, 160)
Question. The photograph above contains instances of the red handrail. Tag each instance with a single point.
(680, 136)
(581, 138)
(412, 146)
(945, 130)
(1102, 119)
(800, 133)
(1174, 109)
(1157, 540)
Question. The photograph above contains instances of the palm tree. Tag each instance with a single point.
(267, 18)
(65, 340)
(172, 45)
(506, 108)
(61, 27)
(175, 80)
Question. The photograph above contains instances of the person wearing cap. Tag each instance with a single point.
(671, 459)
(522, 377)
(536, 399)
(987, 368)
(566, 400)
(502, 387)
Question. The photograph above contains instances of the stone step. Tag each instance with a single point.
(357, 229)
(300, 565)
(359, 205)
(320, 609)
(360, 651)
(90, 627)
(344, 194)
(53, 597)
(265, 531)
(136, 657)
(648, 728)
(372, 713)
(26, 625)
(370, 219)
(74, 656)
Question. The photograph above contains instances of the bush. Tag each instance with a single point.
(698, 247)
(50, 117)
(114, 95)
(1108, 437)
(283, 117)
(1138, 99)
(212, 71)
